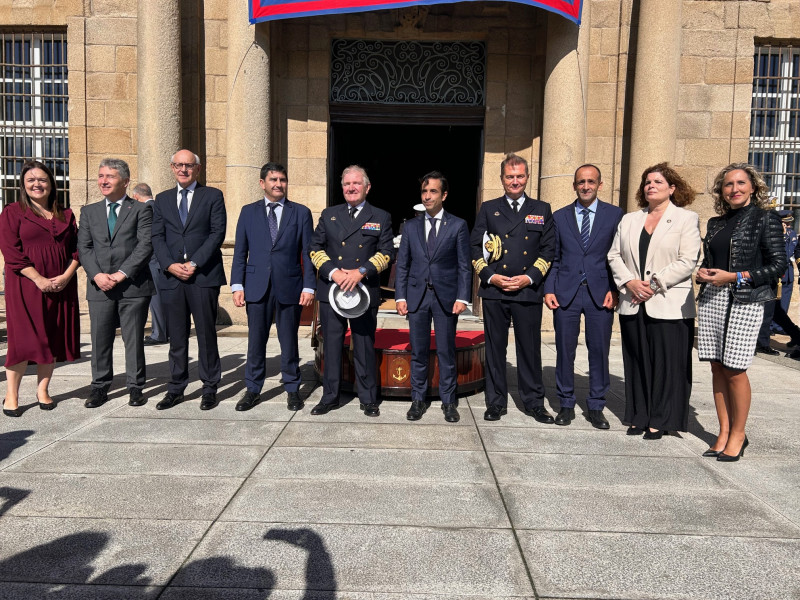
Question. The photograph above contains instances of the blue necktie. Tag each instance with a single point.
(112, 216)
(272, 219)
(585, 227)
(183, 209)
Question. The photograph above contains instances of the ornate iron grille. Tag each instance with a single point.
(775, 122)
(408, 72)
(33, 108)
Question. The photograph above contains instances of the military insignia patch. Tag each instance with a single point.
(371, 226)
(535, 219)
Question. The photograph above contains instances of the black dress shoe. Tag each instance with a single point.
(598, 419)
(795, 354)
(136, 398)
(323, 408)
(148, 341)
(248, 401)
(12, 412)
(293, 401)
(208, 401)
(653, 435)
(170, 399)
(450, 412)
(540, 414)
(97, 397)
(712, 453)
(494, 412)
(371, 410)
(766, 350)
(565, 416)
(418, 408)
(727, 458)
(45, 405)
(633, 430)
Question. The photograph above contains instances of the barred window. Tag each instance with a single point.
(775, 121)
(33, 108)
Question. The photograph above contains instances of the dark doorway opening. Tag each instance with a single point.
(397, 156)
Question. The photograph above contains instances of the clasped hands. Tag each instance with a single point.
(182, 271)
(107, 281)
(640, 291)
(510, 284)
(53, 284)
(716, 277)
(347, 279)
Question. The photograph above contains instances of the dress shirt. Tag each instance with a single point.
(355, 216)
(592, 212)
(189, 196)
(238, 287)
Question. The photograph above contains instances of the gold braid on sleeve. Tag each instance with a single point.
(319, 258)
(381, 261)
(542, 265)
(479, 265)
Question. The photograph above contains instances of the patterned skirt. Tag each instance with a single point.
(727, 331)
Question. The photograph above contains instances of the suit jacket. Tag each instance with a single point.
(201, 236)
(449, 267)
(128, 249)
(528, 241)
(671, 258)
(256, 259)
(340, 242)
(572, 262)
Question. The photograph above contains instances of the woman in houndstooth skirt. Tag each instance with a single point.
(743, 258)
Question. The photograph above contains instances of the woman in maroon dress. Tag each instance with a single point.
(38, 239)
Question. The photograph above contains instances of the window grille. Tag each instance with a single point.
(775, 122)
(33, 108)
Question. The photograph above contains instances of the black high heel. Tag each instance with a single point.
(712, 453)
(653, 435)
(727, 458)
(49, 406)
(12, 412)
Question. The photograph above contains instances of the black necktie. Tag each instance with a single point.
(272, 219)
(515, 206)
(183, 209)
(432, 236)
(353, 210)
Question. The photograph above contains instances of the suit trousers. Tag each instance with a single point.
(201, 303)
(362, 334)
(773, 312)
(260, 316)
(597, 333)
(130, 314)
(444, 322)
(157, 321)
(527, 318)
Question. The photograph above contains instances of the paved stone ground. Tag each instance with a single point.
(123, 502)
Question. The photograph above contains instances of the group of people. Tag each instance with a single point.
(586, 259)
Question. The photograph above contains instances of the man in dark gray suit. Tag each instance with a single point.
(158, 334)
(114, 247)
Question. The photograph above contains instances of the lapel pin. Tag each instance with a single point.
(497, 214)
(333, 218)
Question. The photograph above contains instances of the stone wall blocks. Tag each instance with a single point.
(609, 41)
(602, 96)
(496, 94)
(113, 8)
(76, 57)
(109, 140)
(743, 97)
(316, 171)
(744, 70)
(753, 15)
(126, 59)
(740, 124)
(703, 42)
(318, 64)
(720, 70)
(785, 19)
(319, 38)
(105, 85)
(216, 115)
(706, 152)
(101, 59)
(720, 125)
(522, 96)
(709, 97)
(95, 113)
(121, 113)
(605, 13)
(497, 67)
(599, 69)
(318, 90)
(216, 61)
(739, 150)
(601, 123)
(114, 31)
(216, 9)
(693, 69)
(704, 15)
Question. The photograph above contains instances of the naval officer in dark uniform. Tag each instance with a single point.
(352, 244)
(523, 244)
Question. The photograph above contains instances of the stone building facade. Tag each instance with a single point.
(639, 82)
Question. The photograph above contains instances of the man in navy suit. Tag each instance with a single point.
(188, 229)
(580, 282)
(511, 287)
(433, 281)
(272, 276)
(352, 244)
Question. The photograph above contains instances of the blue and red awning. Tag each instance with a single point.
(270, 10)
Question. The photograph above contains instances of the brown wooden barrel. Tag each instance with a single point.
(393, 358)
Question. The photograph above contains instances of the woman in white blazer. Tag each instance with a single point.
(652, 259)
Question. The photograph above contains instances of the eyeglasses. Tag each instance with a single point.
(182, 166)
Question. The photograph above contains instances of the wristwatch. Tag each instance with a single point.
(654, 284)
(362, 270)
(193, 264)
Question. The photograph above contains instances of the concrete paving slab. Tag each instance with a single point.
(567, 440)
(130, 552)
(120, 496)
(42, 591)
(632, 565)
(375, 465)
(174, 431)
(645, 510)
(392, 411)
(369, 503)
(367, 435)
(143, 459)
(180, 593)
(769, 436)
(12, 451)
(603, 471)
(267, 410)
(358, 558)
(40, 425)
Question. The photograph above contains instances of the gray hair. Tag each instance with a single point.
(119, 165)
(142, 189)
(358, 168)
(196, 158)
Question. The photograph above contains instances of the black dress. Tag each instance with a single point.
(657, 359)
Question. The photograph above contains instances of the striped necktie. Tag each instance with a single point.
(585, 227)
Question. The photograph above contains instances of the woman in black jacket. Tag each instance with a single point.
(743, 259)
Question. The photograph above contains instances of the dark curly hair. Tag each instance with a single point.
(760, 196)
(53, 204)
(683, 194)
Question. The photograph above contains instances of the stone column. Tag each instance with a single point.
(158, 90)
(564, 112)
(249, 114)
(654, 112)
